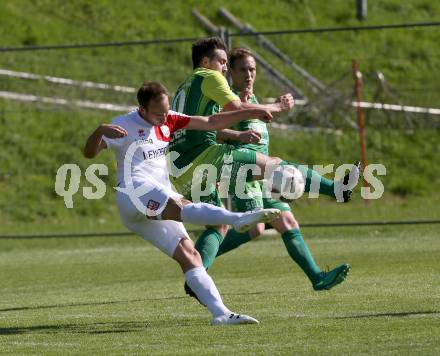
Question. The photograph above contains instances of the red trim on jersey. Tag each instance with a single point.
(175, 121)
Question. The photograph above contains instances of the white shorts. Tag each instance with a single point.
(150, 196)
(164, 234)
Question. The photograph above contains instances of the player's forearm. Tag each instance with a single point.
(227, 119)
(92, 144)
(274, 107)
(228, 135)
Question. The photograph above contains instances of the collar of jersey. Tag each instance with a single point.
(206, 70)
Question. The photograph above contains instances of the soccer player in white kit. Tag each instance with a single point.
(147, 204)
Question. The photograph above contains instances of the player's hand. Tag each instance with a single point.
(112, 131)
(249, 136)
(263, 115)
(285, 102)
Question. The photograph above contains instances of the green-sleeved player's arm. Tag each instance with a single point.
(285, 103)
(216, 87)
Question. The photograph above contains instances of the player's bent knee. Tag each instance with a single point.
(285, 222)
(190, 250)
(186, 255)
(195, 257)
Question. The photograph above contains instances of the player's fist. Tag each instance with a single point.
(112, 131)
(249, 136)
(286, 102)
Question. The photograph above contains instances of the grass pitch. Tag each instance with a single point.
(120, 295)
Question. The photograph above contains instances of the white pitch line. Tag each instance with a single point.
(394, 107)
(66, 81)
(50, 100)
(379, 106)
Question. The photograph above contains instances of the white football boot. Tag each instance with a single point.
(233, 319)
(252, 218)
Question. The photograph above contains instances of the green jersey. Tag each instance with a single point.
(202, 94)
(256, 125)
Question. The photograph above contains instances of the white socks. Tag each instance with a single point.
(208, 214)
(203, 286)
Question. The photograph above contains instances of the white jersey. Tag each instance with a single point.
(150, 146)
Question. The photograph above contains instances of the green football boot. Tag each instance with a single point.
(332, 278)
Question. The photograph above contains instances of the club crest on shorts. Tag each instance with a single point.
(165, 130)
(153, 205)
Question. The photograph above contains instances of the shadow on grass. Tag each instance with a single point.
(400, 314)
(38, 307)
(68, 305)
(97, 328)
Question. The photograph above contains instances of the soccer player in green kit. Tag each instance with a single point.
(207, 91)
(253, 134)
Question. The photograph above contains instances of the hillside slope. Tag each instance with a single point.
(39, 138)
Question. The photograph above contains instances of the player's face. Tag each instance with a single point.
(157, 111)
(218, 61)
(243, 74)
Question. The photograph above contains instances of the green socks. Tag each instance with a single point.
(232, 240)
(326, 186)
(300, 253)
(211, 244)
(207, 245)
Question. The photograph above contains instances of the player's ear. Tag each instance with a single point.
(142, 110)
(204, 62)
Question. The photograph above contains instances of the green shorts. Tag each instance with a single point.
(256, 200)
(218, 163)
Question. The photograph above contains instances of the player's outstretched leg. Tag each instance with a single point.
(340, 190)
(252, 218)
(208, 214)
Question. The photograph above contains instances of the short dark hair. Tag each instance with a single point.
(149, 91)
(239, 53)
(205, 48)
